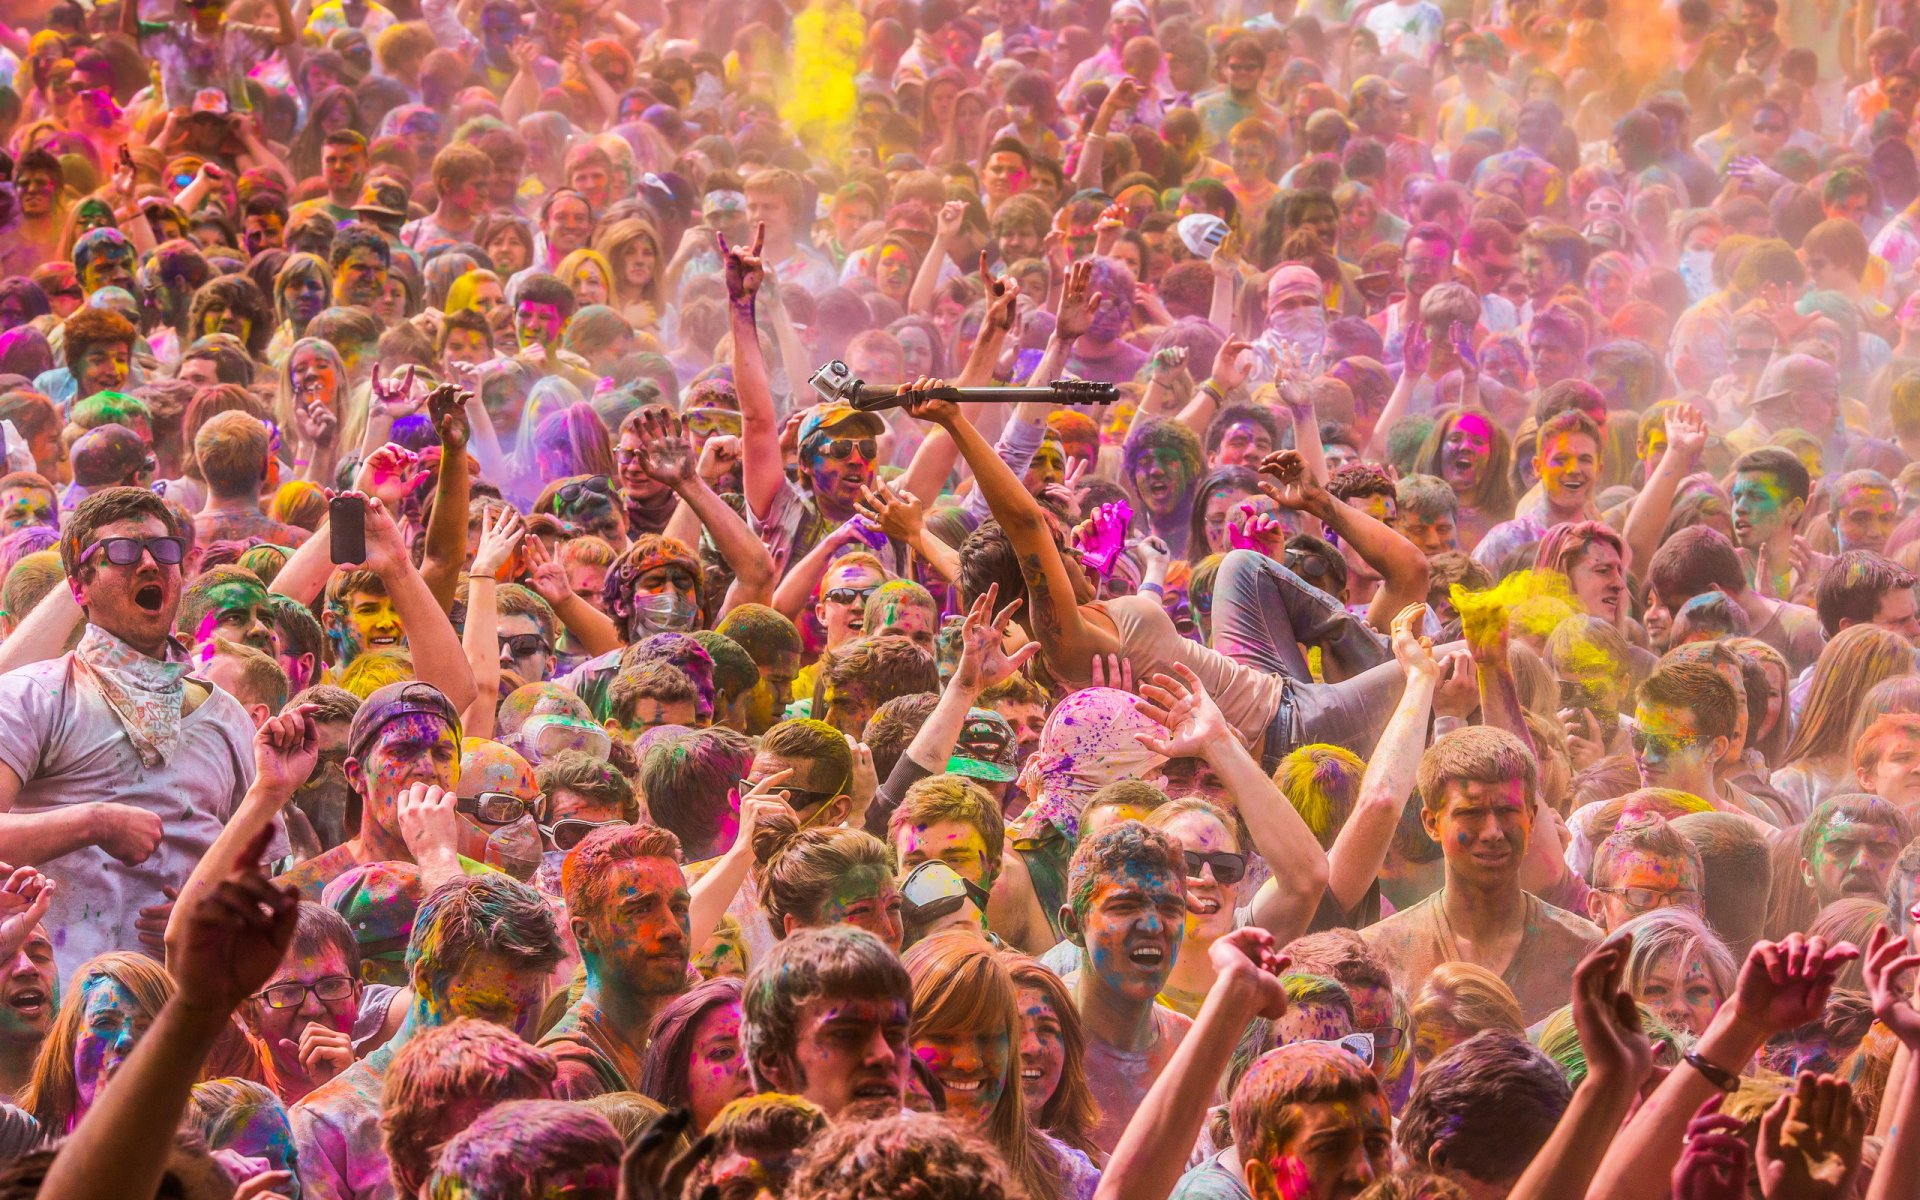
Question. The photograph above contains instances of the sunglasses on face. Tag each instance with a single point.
(1387, 1038)
(847, 595)
(1227, 868)
(492, 808)
(1644, 899)
(1360, 1045)
(126, 551)
(574, 493)
(522, 645)
(331, 990)
(1661, 743)
(570, 832)
(1305, 565)
(841, 449)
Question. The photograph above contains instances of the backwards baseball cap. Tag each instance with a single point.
(379, 901)
(824, 419)
(1376, 87)
(383, 198)
(1791, 373)
(986, 749)
(386, 705)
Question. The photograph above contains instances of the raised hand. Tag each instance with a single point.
(758, 803)
(501, 531)
(1291, 487)
(1166, 364)
(984, 661)
(386, 548)
(950, 219)
(1231, 364)
(1809, 1144)
(285, 750)
(1193, 721)
(1619, 1053)
(1785, 984)
(1255, 529)
(1415, 351)
(1412, 649)
(719, 458)
(901, 514)
(1888, 961)
(1713, 1159)
(1248, 959)
(666, 456)
(1686, 433)
(1460, 340)
(744, 269)
(393, 397)
(1111, 672)
(25, 896)
(925, 407)
(236, 931)
(447, 408)
(385, 473)
(1079, 304)
(545, 575)
(1154, 554)
(1003, 299)
(314, 423)
(1102, 538)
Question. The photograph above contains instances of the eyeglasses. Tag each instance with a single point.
(523, 645)
(1308, 566)
(1387, 1038)
(1769, 128)
(492, 808)
(573, 493)
(1360, 1045)
(841, 449)
(331, 990)
(847, 595)
(1645, 899)
(1227, 868)
(569, 832)
(126, 551)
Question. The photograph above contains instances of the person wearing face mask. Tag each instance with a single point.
(1296, 320)
(497, 807)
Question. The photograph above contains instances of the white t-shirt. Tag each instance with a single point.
(68, 748)
(1409, 29)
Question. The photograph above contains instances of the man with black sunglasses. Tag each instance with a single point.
(119, 717)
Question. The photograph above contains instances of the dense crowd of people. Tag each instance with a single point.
(484, 716)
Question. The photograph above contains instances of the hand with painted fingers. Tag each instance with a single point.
(1785, 984)
(1196, 728)
(237, 931)
(1254, 529)
(126, 833)
(1247, 961)
(1889, 959)
(1079, 304)
(25, 896)
(502, 530)
(322, 1052)
(1619, 1053)
(745, 270)
(984, 661)
(394, 397)
(1111, 671)
(1232, 363)
(1167, 364)
(1713, 1159)
(900, 513)
(1809, 1147)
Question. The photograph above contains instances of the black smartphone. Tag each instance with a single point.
(347, 529)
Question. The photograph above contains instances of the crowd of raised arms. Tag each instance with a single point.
(537, 661)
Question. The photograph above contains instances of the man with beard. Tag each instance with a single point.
(118, 717)
(38, 182)
(825, 1017)
(1847, 848)
(627, 902)
(1160, 462)
(1477, 789)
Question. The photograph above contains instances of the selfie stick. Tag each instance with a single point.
(836, 384)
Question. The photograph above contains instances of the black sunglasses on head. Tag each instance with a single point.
(573, 493)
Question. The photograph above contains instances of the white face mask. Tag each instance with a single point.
(1305, 327)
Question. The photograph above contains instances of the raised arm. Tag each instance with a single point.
(1484, 622)
(1227, 374)
(437, 655)
(1361, 847)
(1196, 728)
(902, 516)
(501, 532)
(1619, 1060)
(594, 630)
(952, 215)
(933, 461)
(1151, 1155)
(236, 933)
(446, 542)
(763, 466)
(1053, 613)
(1686, 440)
(1887, 966)
(666, 456)
(1414, 356)
(709, 895)
(1782, 986)
(1403, 568)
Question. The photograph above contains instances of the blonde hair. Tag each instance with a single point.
(961, 986)
(52, 1093)
(1468, 999)
(569, 267)
(1672, 935)
(798, 867)
(1857, 658)
(613, 242)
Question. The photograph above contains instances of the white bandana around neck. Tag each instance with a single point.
(147, 694)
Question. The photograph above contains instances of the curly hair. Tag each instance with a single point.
(908, 1157)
